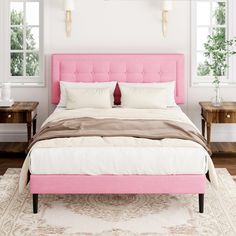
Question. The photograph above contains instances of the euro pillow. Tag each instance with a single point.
(168, 86)
(64, 85)
(88, 98)
(143, 98)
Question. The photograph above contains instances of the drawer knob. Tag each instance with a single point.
(228, 115)
(9, 116)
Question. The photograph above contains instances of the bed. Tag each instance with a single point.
(117, 165)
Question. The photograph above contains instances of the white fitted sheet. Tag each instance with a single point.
(118, 155)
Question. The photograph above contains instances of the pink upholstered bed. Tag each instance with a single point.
(122, 68)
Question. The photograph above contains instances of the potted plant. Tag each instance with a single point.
(217, 52)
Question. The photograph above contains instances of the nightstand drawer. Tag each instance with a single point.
(13, 117)
(211, 117)
(227, 117)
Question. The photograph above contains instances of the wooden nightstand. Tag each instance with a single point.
(210, 114)
(21, 112)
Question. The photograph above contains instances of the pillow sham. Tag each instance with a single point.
(168, 86)
(64, 85)
(144, 98)
(88, 98)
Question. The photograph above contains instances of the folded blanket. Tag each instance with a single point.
(138, 128)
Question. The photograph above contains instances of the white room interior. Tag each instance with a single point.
(100, 167)
(117, 26)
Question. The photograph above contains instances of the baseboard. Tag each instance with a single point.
(21, 136)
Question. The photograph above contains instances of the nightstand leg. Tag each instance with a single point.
(203, 127)
(208, 133)
(29, 130)
(34, 126)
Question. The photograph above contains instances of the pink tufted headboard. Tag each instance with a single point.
(132, 68)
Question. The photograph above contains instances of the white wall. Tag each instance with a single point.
(118, 26)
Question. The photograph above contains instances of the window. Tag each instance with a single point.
(25, 57)
(208, 17)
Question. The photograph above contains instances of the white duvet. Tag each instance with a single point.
(117, 155)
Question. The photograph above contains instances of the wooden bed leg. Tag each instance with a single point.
(35, 203)
(201, 202)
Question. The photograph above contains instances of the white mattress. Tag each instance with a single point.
(118, 155)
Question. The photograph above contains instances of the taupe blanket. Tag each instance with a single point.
(150, 129)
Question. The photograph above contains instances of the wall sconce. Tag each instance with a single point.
(69, 7)
(166, 7)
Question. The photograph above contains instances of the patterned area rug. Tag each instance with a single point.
(125, 215)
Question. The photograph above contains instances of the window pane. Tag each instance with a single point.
(218, 13)
(16, 38)
(17, 13)
(32, 13)
(203, 13)
(24, 38)
(202, 33)
(32, 64)
(16, 64)
(32, 38)
(202, 68)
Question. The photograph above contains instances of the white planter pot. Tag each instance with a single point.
(6, 91)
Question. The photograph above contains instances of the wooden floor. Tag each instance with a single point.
(12, 156)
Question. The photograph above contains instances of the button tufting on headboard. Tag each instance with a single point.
(132, 68)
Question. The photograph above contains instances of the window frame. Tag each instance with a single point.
(21, 81)
(229, 79)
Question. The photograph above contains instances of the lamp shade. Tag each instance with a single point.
(69, 5)
(167, 5)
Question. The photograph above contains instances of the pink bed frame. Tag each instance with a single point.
(133, 68)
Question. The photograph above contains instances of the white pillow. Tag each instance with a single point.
(64, 85)
(169, 86)
(143, 97)
(88, 98)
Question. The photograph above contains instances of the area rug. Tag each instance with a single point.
(125, 215)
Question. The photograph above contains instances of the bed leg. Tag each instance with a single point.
(35, 203)
(201, 202)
